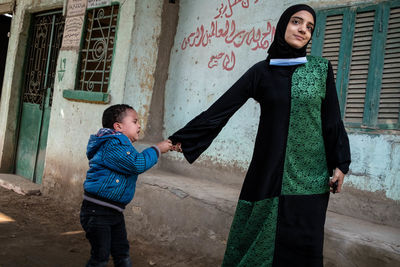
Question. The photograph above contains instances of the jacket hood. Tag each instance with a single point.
(97, 140)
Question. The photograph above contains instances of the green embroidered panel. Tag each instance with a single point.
(305, 170)
(251, 239)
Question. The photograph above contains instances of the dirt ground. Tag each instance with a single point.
(36, 232)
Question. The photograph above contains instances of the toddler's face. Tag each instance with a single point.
(130, 125)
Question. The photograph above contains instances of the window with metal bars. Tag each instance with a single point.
(97, 50)
(363, 45)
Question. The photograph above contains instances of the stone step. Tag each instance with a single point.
(195, 214)
(19, 184)
(354, 242)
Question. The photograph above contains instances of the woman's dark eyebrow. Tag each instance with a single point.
(300, 18)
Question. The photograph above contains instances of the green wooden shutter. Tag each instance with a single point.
(361, 50)
(309, 48)
(363, 44)
(333, 33)
(389, 104)
(331, 38)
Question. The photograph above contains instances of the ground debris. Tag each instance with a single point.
(35, 231)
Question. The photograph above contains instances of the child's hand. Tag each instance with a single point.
(165, 146)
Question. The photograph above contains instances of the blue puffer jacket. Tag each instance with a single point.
(114, 166)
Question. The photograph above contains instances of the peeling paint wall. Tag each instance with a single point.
(131, 83)
(213, 48)
(13, 75)
(205, 63)
(216, 42)
(376, 163)
(71, 122)
(143, 57)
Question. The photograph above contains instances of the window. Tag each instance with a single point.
(363, 45)
(96, 56)
(97, 50)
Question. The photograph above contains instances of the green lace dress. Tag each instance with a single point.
(280, 216)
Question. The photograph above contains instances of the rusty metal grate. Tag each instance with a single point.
(55, 48)
(97, 52)
(40, 69)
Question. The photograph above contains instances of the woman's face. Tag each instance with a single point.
(299, 29)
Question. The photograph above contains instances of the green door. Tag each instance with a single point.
(44, 45)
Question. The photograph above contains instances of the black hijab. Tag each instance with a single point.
(279, 47)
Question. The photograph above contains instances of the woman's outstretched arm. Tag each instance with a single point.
(194, 138)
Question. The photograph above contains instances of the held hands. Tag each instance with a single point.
(167, 145)
(338, 176)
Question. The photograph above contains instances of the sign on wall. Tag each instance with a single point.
(73, 24)
(76, 8)
(72, 33)
(98, 3)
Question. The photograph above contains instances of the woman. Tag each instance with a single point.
(300, 143)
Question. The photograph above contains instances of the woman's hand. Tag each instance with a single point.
(177, 147)
(338, 176)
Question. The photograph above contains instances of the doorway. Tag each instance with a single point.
(37, 93)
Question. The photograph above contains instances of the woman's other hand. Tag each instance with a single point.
(338, 176)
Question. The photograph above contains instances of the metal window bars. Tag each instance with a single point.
(97, 52)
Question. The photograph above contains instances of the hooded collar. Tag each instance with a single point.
(97, 140)
(279, 47)
(107, 131)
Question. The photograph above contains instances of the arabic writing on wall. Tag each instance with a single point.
(254, 38)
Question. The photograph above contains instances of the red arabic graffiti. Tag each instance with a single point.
(254, 38)
(228, 7)
(227, 63)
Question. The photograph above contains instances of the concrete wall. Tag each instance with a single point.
(170, 74)
(143, 57)
(71, 123)
(138, 67)
(205, 63)
(132, 79)
(13, 76)
(372, 187)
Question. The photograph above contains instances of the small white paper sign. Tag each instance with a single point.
(76, 8)
(72, 33)
(98, 3)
